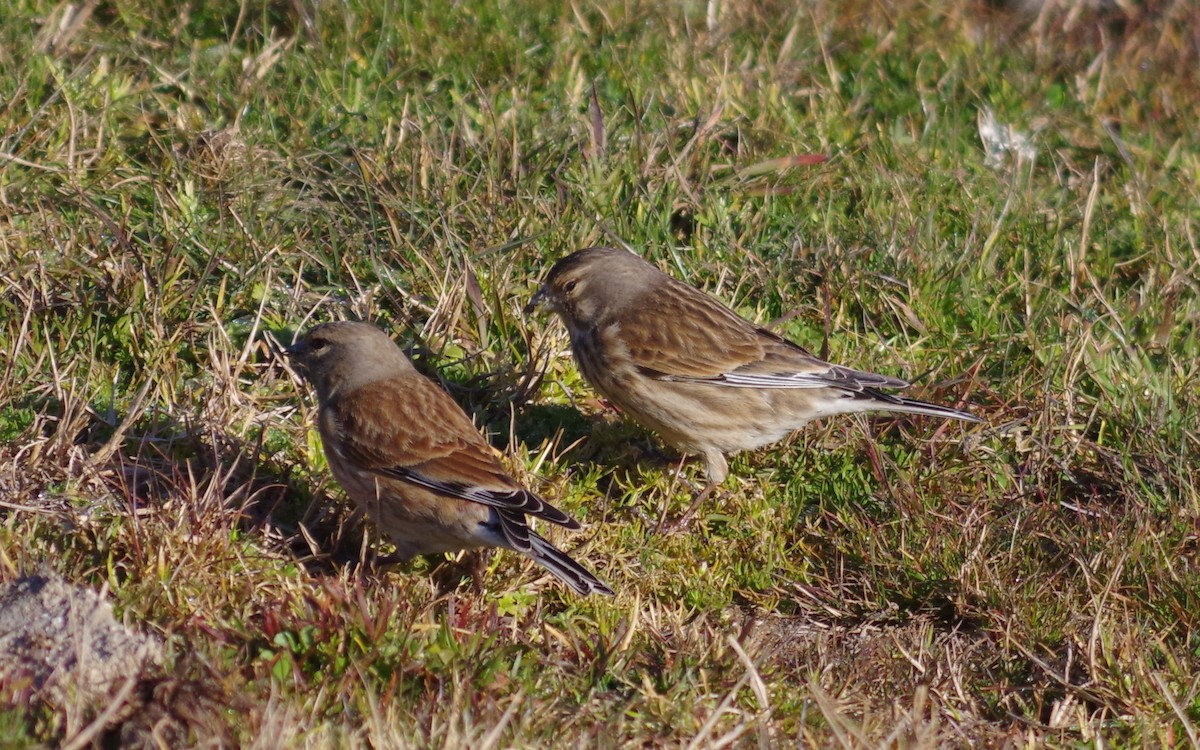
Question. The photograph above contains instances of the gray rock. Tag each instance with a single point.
(64, 639)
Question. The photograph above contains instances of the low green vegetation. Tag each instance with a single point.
(182, 183)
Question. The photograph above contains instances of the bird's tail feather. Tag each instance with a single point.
(560, 564)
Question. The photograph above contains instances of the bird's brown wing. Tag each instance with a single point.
(681, 334)
(409, 429)
(678, 331)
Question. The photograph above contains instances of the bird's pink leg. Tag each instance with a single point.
(717, 469)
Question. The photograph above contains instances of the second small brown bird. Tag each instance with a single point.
(708, 381)
(411, 459)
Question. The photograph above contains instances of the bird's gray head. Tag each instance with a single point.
(345, 355)
(590, 285)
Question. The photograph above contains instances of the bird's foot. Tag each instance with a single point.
(453, 574)
(680, 523)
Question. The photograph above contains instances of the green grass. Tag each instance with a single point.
(178, 182)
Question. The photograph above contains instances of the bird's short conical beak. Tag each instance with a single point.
(538, 299)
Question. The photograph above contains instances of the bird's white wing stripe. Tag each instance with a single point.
(792, 380)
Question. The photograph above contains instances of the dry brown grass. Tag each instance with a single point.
(178, 185)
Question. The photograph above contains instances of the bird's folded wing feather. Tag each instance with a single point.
(409, 429)
(701, 341)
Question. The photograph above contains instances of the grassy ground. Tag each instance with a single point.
(178, 181)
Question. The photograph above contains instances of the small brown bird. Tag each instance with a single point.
(708, 381)
(411, 459)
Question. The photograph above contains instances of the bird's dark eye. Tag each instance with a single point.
(318, 344)
(570, 285)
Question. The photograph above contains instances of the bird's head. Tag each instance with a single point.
(345, 355)
(591, 285)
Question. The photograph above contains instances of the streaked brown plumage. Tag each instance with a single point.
(411, 459)
(708, 381)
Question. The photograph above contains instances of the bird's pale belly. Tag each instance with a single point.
(417, 521)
